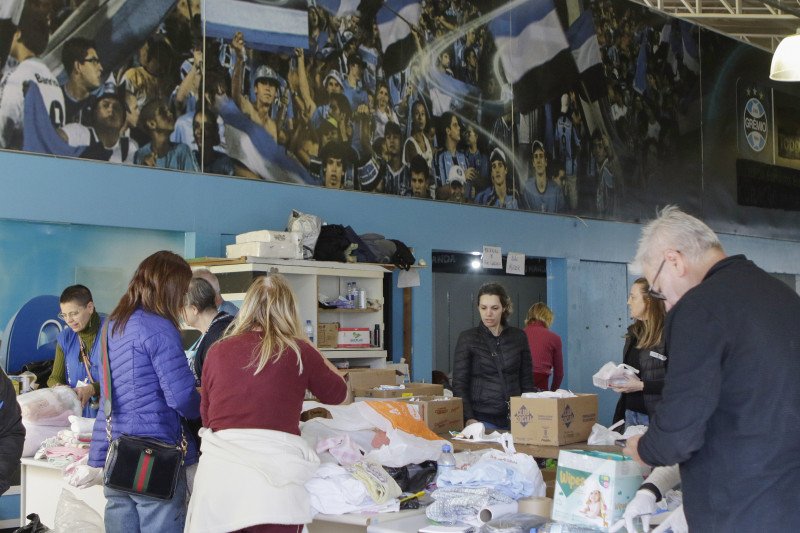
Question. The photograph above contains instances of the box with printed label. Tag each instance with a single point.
(553, 421)
(327, 334)
(592, 488)
(441, 414)
(353, 338)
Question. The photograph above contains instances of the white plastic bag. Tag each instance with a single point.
(605, 436)
(612, 374)
(49, 406)
(409, 439)
(74, 515)
(35, 434)
(309, 227)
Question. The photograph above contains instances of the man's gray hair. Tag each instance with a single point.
(673, 229)
(207, 275)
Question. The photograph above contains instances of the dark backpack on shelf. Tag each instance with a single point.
(332, 244)
(402, 257)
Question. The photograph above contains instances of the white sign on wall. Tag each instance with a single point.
(492, 257)
(515, 263)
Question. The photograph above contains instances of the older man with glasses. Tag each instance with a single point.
(729, 412)
(77, 348)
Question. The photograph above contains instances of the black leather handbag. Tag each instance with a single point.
(138, 465)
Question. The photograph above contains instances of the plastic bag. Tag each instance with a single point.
(612, 374)
(79, 474)
(35, 435)
(33, 526)
(309, 227)
(409, 438)
(606, 436)
(74, 515)
(49, 406)
(413, 477)
(514, 523)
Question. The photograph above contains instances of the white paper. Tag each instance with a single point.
(408, 278)
(515, 263)
(492, 257)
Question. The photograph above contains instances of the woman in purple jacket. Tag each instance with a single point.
(152, 387)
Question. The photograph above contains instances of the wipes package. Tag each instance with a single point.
(593, 488)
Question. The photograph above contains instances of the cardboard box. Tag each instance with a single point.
(368, 378)
(327, 334)
(440, 414)
(271, 250)
(411, 389)
(553, 421)
(403, 374)
(355, 338)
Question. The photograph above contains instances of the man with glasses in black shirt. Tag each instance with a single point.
(85, 72)
(729, 410)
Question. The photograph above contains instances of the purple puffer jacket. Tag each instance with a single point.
(151, 383)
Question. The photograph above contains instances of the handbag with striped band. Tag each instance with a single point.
(138, 465)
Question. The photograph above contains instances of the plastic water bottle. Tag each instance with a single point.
(310, 331)
(446, 462)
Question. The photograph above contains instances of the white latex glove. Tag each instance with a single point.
(675, 522)
(642, 505)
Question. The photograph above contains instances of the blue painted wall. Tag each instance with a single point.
(210, 208)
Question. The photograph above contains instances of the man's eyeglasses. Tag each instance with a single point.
(93, 60)
(651, 292)
(70, 315)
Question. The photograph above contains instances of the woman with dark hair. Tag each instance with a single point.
(644, 349)
(251, 477)
(152, 388)
(492, 362)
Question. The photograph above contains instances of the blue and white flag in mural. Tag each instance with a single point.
(118, 28)
(264, 27)
(691, 55)
(339, 8)
(251, 145)
(396, 19)
(586, 51)
(534, 52)
(38, 132)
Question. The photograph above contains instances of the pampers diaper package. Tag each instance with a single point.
(593, 488)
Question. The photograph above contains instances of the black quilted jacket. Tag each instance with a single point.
(476, 376)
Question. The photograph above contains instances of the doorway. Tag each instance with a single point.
(455, 285)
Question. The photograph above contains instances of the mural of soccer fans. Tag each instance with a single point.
(454, 78)
(336, 160)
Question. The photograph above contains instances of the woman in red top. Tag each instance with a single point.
(545, 347)
(254, 463)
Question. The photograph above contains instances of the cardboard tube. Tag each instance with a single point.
(496, 511)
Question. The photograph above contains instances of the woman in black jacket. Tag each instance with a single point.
(492, 362)
(644, 350)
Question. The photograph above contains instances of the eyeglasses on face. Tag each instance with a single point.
(93, 60)
(70, 315)
(658, 295)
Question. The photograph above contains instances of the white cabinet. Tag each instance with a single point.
(310, 279)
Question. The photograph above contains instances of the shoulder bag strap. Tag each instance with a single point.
(497, 355)
(106, 378)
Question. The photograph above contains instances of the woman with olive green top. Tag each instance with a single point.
(76, 360)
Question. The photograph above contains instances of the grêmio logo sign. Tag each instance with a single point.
(755, 120)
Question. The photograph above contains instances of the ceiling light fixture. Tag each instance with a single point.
(786, 59)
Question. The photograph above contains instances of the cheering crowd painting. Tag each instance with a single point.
(589, 108)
